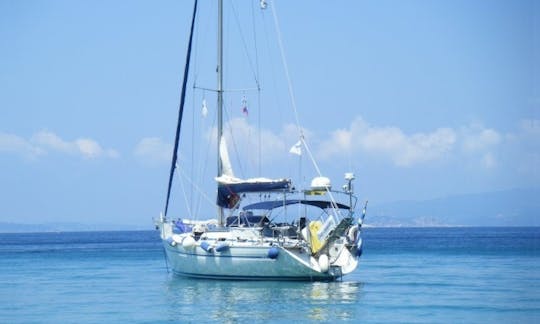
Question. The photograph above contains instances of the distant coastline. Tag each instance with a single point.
(507, 208)
(7, 227)
(514, 207)
(10, 228)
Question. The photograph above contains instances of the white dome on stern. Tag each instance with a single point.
(321, 184)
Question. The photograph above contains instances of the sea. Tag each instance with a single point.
(406, 275)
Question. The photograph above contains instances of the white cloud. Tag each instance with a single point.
(477, 138)
(404, 150)
(473, 144)
(479, 144)
(488, 161)
(291, 134)
(10, 143)
(244, 138)
(530, 127)
(45, 141)
(91, 149)
(252, 149)
(153, 150)
(524, 147)
(52, 141)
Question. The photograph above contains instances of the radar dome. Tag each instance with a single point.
(321, 183)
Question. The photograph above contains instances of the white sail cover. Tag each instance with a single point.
(227, 175)
(225, 161)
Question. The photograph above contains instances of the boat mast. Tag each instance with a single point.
(220, 96)
(180, 109)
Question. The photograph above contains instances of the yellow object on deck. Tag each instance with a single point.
(315, 227)
(315, 192)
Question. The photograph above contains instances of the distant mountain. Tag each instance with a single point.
(517, 207)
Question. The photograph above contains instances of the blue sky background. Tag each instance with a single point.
(420, 99)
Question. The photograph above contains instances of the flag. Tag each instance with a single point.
(204, 108)
(244, 106)
(296, 148)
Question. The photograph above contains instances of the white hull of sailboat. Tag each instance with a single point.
(251, 260)
(243, 263)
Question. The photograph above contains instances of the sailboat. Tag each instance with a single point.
(245, 241)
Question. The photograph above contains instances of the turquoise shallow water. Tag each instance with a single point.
(420, 275)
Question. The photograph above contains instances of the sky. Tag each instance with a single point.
(420, 99)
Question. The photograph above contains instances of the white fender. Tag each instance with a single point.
(305, 234)
(177, 238)
(323, 263)
(352, 233)
(188, 242)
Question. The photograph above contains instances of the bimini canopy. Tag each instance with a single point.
(267, 205)
(229, 191)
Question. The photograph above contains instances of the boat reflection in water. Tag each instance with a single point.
(233, 301)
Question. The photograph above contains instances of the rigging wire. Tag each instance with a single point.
(291, 92)
(205, 158)
(276, 97)
(226, 90)
(255, 71)
(293, 101)
(259, 137)
(180, 110)
(235, 14)
(202, 152)
(201, 192)
(249, 137)
(284, 62)
(233, 140)
(201, 36)
(187, 202)
(189, 205)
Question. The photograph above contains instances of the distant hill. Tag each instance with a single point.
(517, 207)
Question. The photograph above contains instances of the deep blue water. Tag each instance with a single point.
(406, 275)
